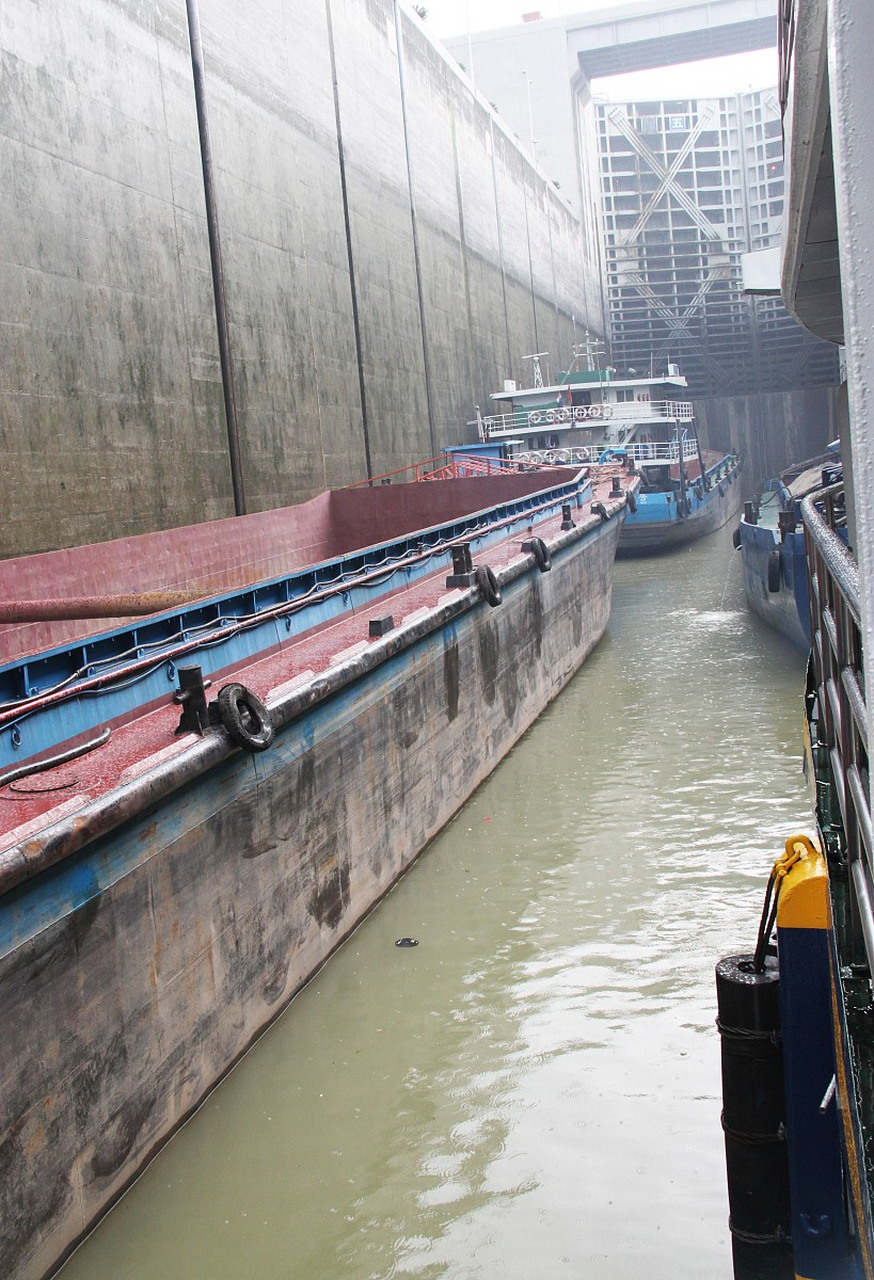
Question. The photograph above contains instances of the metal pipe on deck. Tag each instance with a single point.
(77, 608)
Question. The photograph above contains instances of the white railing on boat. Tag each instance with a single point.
(653, 453)
(533, 421)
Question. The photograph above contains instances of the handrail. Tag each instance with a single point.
(418, 468)
(662, 450)
(838, 671)
(562, 417)
(464, 465)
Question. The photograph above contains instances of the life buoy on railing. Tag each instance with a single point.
(549, 456)
(581, 454)
(562, 455)
(594, 411)
(488, 585)
(245, 718)
(606, 411)
(550, 415)
(580, 412)
(534, 418)
(523, 457)
(564, 415)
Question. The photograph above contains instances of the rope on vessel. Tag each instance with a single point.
(754, 1237)
(753, 1139)
(796, 846)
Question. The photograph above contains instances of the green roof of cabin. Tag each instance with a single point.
(586, 375)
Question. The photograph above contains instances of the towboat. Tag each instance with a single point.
(770, 538)
(219, 747)
(593, 416)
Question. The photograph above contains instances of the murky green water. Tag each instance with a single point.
(533, 1091)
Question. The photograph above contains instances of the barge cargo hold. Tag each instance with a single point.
(164, 892)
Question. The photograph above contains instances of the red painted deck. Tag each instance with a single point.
(146, 740)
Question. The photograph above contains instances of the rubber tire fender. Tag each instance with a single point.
(735, 538)
(542, 554)
(488, 585)
(245, 718)
(631, 500)
(774, 571)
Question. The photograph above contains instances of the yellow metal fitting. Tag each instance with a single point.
(803, 902)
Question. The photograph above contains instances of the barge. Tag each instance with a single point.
(198, 805)
(770, 538)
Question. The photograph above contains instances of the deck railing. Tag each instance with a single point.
(655, 452)
(544, 419)
(450, 466)
(838, 675)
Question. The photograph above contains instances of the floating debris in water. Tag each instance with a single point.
(407, 942)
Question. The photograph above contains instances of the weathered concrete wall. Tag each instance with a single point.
(152, 958)
(463, 258)
(772, 431)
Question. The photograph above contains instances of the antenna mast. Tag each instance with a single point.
(537, 357)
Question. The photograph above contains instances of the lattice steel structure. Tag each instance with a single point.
(688, 186)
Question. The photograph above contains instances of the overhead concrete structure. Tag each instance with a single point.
(638, 37)
(538, 74)
(811, 262)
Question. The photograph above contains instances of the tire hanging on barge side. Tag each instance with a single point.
(753, 1118)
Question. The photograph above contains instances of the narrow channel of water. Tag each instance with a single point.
(533, 1091)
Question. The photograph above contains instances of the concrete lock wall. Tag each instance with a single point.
(772, 430)
(463, 258)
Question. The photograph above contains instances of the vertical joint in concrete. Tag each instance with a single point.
(344, 190)
(215, 257)
(415, 230)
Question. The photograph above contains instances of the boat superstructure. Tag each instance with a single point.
(594, 415)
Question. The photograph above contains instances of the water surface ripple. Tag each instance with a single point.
(533, 1091)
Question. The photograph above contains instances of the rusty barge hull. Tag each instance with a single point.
(176, 915)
